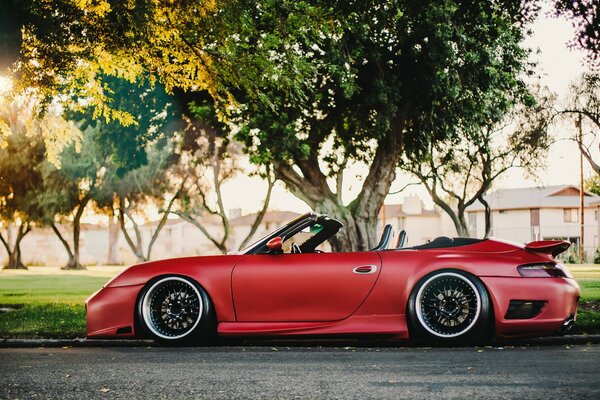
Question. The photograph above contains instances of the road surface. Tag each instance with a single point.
(547, 372)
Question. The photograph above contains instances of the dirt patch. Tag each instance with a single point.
(9, 308)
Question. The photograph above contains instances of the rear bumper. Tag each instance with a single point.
(560, 294)
(110, 312)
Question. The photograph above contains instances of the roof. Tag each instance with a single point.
(561, 196)
(396, 210)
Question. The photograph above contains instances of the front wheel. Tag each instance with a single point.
(175, 310)
(450, 307)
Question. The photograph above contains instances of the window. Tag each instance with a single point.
(571, 215)
(534, 214)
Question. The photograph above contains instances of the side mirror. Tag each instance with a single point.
(275, 245)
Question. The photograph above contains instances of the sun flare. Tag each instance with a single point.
(5, 85)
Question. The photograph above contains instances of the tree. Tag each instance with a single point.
(585, 18)
(592, 184)
(372, 79)
(210, 158)
(105, 145)
(23, 167)
(69, 47)
(129, 196)
(458, 173)
(20, 179)
(582, 107)
(391, 78)
(70, 189)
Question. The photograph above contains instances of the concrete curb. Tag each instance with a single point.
(54, 343)
(28, 343)
(555, 340)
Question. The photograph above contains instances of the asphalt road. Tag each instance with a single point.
(547, 372)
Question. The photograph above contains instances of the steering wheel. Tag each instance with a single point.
(296, 249)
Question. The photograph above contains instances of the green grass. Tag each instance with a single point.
(43, 289)
(590, 289)
(49, 303)
(52, 320)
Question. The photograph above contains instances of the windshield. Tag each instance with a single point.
(271, 234)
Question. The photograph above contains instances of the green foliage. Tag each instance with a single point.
(426, 71)
(572, 258)
(315, 85)
(156, 117)
(592, 184)
(22, 164)
(597, 256)
(585, 18)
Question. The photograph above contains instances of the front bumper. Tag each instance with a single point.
(560, 295)
(110, 312)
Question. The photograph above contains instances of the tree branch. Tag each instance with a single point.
(62, 239)
(5, 243)
(163, 220)
(123, 229)
(261, 213)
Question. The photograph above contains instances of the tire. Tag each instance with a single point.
(450, 307)
(175, 311)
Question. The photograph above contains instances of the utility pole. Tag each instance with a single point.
(581, 209)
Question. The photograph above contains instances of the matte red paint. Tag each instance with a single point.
(306, 294)
(301, 287)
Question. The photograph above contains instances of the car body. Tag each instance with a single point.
(449, 290)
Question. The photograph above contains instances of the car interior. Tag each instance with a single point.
(309, 233)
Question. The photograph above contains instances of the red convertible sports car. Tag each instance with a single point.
(448, 291)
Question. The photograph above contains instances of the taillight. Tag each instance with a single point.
(545, 270)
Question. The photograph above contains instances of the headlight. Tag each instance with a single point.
(543, 270)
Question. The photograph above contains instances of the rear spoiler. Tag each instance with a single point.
(553, 247)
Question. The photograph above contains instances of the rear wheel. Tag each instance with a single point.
(175, 310)
(450, 307)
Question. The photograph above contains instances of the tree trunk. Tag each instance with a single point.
(488, 216)
(113, 241)
(464, 225)
(137, 246)
(360, 216)
(14, 253)
(73, 262)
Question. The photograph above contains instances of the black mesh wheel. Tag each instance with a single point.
(449, 306)
(174, 309)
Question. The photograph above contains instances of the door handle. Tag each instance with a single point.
(365, 269)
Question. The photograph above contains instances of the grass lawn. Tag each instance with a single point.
(46, 302)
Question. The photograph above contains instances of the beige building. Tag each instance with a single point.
(539, 213)
(421, 224)
(520, 215)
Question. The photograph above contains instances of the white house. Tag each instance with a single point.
(539, 213)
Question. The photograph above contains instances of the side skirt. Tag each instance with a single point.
(360, 325)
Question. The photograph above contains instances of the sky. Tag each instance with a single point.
(558, 66)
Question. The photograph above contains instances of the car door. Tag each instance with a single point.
(302, 287)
